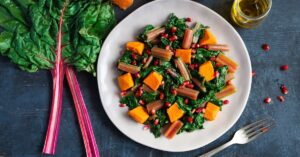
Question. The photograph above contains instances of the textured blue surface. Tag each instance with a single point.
(25, 99)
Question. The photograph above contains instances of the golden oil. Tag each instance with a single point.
(250, 13)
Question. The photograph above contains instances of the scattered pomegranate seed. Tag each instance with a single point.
(284, 67)
(267, 100)
(162, 83)
(139, 93)
(193, 45)
(122, 105)
(155, 62)
(161, 95)
(164, 35)
(123, 93)
(284, 89)
(156, 121)
(167, 104)
(153, 112)
(190, 119)
(134, 56)
(200, 109)
(168, 47)
(204, 46)
(197, 45)
(216, 74)
(281, 98)
(218, 65)
(148, 52)
(188, 19)
(186, 83)
(173, 38)
(137, 75)
(133, 62)
(265, 47)
(173, 92)
(146, 127)
(192, 66)
(193, 51)
(253, 74)
(190, 86)
(142, 102)
(173, 29)
(212, 58)
(186, 101)
(225, 102)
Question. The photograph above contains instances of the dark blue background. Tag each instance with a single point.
(25, 99)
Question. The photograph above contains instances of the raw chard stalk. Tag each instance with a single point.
(82, 115)
(58, 77)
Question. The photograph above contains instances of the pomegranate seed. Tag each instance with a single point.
(265, 47)
(190, 119)
(186, 101)
(225, 102)
(167, 104)
(193, 51)
(162, 83)
(216, 74)
(190, 86)
(153, 112)
(140, 88)
(267, 100)
(204, 46)
(144, 60)
(188, 19)
(173, 38)
(284, 67)
(155, 62)
(284, 89)
(133, 62)
(197, 45)
(164, 35)
(156, 121)
(200, 109)
(139, 93)
(142, 102)
(122, 105)
(134, 56)
(146, 127)
(161, 95)
(137, 75)
(193, 45)
(281, 98)
(212, 58)
(218, 65)
(148, 52)
(168, 47)
(253, 74)
(123, 93)
(173, 92)
(192, 66)
(173, 29)
(186, 83)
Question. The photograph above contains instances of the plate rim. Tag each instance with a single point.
(246, 92)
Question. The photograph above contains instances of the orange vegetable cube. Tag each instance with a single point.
(139, 114)
(185, 55)
(211, 106)
(208, 38)
(153, 80)
(210, 115)
(207, 71)
(136, 47)
(123, 4)
(125, 81)
(174, 112)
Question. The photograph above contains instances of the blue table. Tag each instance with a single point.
(25, 99)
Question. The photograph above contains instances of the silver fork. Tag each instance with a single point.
(244, 135)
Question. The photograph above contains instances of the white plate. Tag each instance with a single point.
(156, 13)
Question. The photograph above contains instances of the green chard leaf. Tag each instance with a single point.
(130, 101)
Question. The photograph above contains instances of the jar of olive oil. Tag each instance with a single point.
(250, 13)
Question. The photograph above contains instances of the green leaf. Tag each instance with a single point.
(130, 101)
(149, 97)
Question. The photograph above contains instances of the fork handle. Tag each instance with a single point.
(218, 149)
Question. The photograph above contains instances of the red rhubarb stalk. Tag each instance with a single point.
(58, 77)
(82, 115)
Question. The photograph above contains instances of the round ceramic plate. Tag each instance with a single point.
(156, 13)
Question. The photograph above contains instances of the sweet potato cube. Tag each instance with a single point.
(208, 38)
(206, 70)
(185, 55)
(211, 111)
(123, 4)
(153, 80)
(125, 81)
(136, 47)
(139, 114)
(174, 112)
